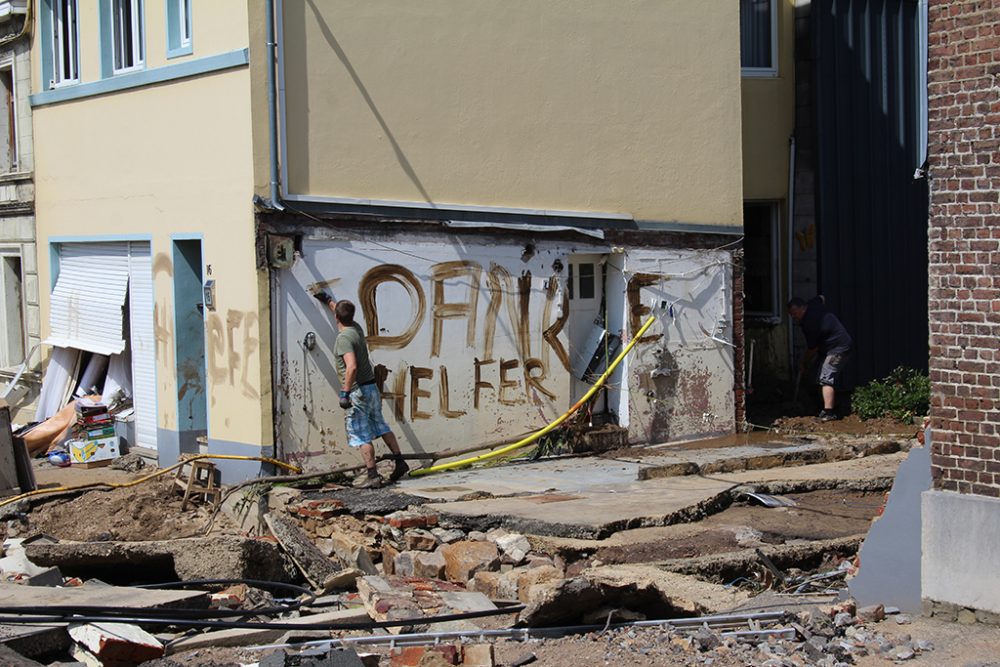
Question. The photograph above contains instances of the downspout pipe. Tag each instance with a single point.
(272, 106)
(789, 280)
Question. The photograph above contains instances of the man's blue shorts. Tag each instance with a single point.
(364, 418)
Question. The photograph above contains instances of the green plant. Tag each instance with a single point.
(904, 394)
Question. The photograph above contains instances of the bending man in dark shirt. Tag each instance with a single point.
(826, 337)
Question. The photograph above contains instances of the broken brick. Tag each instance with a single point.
(421, 540)
(405, 519)
(464, 559)
(478, 655)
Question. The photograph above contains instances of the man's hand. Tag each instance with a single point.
(345, 399)
(322, 297)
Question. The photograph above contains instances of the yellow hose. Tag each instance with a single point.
(553, 425)
(125, 485)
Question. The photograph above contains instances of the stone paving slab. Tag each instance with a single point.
(604, 508)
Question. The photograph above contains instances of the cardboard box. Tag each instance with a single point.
(91, 451)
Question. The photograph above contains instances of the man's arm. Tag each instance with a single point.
(350, 370)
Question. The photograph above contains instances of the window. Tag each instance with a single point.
(582, 281)
(65, 51)
(8, 120)
(760, 252)
(178, 28)
(11, 309)
(127, 35)
(759, 37)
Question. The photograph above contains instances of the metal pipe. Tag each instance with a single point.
(272, 111)
(531, 633)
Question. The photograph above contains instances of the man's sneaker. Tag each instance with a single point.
(372, 482)
(398, 471)
(828, 416)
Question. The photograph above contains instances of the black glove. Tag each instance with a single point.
(345, 399)
(322, 297)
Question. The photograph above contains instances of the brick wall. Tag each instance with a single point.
(964, 238)
(739, 341)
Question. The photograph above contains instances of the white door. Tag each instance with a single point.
(586, 291)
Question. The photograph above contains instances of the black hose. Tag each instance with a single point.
(249, 625)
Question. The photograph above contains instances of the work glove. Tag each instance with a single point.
(345, 400)
(322, 297)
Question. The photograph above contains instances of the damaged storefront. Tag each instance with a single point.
(102, 359)
(480, 336)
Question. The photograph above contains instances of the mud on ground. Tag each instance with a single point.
(148, 511)
(849, 425)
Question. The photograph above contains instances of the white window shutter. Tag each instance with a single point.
(87, 302)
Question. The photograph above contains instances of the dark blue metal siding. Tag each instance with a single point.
(871, 213)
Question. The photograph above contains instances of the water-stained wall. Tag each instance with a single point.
(468, 342)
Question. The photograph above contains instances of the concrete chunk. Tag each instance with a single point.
(464, 559)
(316, 567)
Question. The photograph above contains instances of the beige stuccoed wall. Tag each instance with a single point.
(769, 118)
(596, 105)
(166, 160)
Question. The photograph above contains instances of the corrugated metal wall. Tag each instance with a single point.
(872, 213)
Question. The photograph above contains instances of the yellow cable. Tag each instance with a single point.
(553, 425)
(125, 485)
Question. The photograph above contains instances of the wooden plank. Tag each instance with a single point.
(244, 637)
(316, 567)
(8, 465)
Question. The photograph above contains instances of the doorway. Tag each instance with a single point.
(586, 331)
(189, 327)
(11, 307)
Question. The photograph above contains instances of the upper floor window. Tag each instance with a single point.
(127, 31)
(759, 37)
(65, 49)
(178, 28)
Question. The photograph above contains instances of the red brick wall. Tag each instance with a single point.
(739, 341)
(964, 303)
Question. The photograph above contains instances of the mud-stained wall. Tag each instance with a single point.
(680, 375)
(469, 343)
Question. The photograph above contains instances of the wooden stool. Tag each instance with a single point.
(200, 481)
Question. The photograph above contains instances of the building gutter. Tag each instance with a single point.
(272, 109)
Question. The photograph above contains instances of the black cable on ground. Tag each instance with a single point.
(247, 625)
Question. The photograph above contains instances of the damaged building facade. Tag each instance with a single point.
(19, 311)
(506, 193)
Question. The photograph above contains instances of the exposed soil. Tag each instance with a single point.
(149, 511)
(849, 425)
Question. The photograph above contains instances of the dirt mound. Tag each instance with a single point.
(849, 425)
(149, 511)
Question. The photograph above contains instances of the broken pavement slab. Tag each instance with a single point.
(32, 641)
(396, 598)
(219, 557)
(598, 510)
(565, 601)
(116, 643)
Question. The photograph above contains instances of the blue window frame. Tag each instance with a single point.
(178, 28)
(60, 51)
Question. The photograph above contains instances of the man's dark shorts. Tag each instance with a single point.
(833, 366)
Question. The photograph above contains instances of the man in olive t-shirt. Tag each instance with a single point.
(359, 397)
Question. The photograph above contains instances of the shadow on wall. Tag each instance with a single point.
(331, 39)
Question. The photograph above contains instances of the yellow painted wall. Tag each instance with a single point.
(598, 105)
(769, 118)
(218, 26)
(164, 160)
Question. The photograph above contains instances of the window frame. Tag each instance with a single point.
(138, 45)
(765, 72)
(7, 63)
(180, 30)
(773, 316)
(16, 251)
(56, 39)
